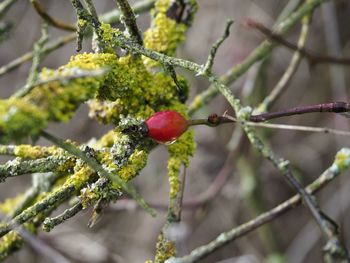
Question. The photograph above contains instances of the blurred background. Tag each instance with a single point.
(252, 185)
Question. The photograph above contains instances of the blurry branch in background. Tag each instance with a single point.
(110, 17)
(341, 163)
(49, 19)
(5, 6)
(284, 24)
(38, 57)
(283, 82)
(41, 247)
(210, 60)
(311, 56)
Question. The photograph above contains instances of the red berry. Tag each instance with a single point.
(166, 126)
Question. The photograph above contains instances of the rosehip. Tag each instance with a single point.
(166, 126)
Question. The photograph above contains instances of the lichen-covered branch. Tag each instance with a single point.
(129, 20)
(210, 61)
(19, 166)
(87, 157)
(50, 223)
(37, 59)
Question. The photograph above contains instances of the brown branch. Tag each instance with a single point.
(335, 107)
(49, 19)
(311, 56)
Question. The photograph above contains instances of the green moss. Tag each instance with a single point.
(19, 119)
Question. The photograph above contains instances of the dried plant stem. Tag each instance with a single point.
(50, 223)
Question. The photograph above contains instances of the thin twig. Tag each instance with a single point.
(283, 82)
(215, 120)
(49, 19)
(333, 107)
(98, 43)
(299, 128)
(82, 23)
(226, 237)
(41, 182)
(52, 46)
(210, 60)
(18, 166)
(51, 200)
(38, 57)
(311, 56)
(50, 223)
(129, 20)
(73, 73)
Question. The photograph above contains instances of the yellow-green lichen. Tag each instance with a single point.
(82, 23)
(12, 241)
(342, 159)
(60, 99)
(34, 152)
(108, 34)
(106, 140)
(80, 177)
(165, 34)
(7, 206)
(179, 152)
(136, 163)
(165, 249)
(134, 92)
(19, 119)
